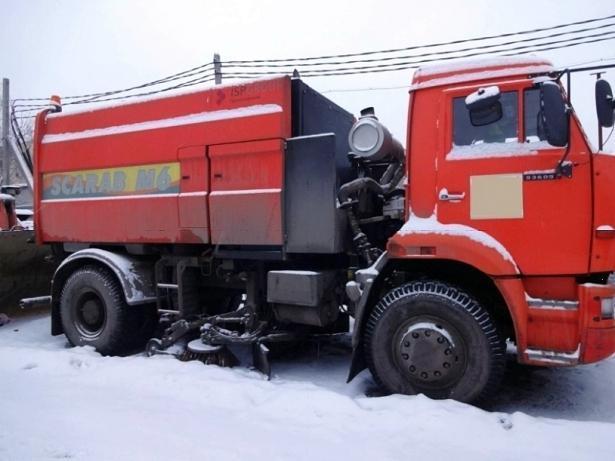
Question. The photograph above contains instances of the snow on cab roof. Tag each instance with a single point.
(478, 69)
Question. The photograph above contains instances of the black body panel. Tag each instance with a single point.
(312, 222)
(313, 113)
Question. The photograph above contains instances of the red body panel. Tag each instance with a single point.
(154, 156)
(556, 214)
(193, 206)
(603, 229)
(246, 193)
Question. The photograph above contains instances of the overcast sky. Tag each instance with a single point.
(74, 46)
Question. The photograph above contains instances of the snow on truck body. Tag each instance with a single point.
(249, 192)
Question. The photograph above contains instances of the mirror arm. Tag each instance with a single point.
(561, 169)
(568, 85)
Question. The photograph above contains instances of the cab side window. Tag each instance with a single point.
(504, 130)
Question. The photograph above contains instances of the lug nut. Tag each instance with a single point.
(448, 352)
(415, 335)
(441, 340)
(437, 374)
(407, 343)
(427, 333)
(412, 368)
(404, 356)
(424, 375)
(446, 365)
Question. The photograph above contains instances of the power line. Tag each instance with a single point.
(95, 98)
(23, 111)
(431, 45)
(149, 93)
(413, 64)
(195, 81)
(433, 53)
(372, 88)
(589, 62)
(403, 87)
(351, 71)
(384, 64)
(201, 68)
(179, 75)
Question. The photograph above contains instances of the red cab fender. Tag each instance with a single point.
(426, 238)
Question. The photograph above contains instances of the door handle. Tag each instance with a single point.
(445, 196)
(605, 232)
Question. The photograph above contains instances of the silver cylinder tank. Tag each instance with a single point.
(371, 140)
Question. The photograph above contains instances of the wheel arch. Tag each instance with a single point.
(471, 246)
(474, 281)
(135, 276)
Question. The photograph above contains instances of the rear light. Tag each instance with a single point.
(607, 308)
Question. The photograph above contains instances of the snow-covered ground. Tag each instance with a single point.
(71, 403)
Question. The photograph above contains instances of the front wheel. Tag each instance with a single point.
(432, 338)
(94, 313)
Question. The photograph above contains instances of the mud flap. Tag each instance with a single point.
(357, 364)
(260, 359)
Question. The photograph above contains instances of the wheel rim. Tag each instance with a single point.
(430, 353)
(89, 315)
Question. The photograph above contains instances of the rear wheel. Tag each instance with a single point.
(94, 313)
(429, 337)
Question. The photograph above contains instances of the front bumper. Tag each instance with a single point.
(572, 332)
(597, 333)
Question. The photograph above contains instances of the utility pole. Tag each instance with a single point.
(217, 69)
(5, 132)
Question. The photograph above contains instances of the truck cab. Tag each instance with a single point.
(518, 215)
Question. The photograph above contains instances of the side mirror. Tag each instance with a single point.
(605, 106)
(484, 106)
(554, 114)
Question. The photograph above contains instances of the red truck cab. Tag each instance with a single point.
(489, 197)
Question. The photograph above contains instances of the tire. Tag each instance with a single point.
(94, 313)
(432, 338)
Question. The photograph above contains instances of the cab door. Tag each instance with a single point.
(499, 179)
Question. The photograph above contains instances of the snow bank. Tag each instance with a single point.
(59, 403)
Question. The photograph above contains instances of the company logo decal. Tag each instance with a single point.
(162, 178)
